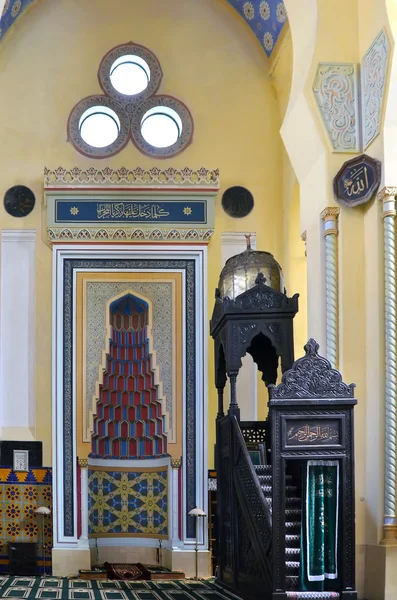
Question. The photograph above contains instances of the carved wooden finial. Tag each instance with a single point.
(260, 279)
(248, 238)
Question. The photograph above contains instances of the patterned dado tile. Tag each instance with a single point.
(128, 503)
(20, 495)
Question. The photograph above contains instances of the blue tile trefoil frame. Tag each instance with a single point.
(70, 265)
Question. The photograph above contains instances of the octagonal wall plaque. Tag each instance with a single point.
(357, 181)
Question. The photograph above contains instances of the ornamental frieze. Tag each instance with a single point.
(130, 205)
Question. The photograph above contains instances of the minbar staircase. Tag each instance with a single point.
(293, 518)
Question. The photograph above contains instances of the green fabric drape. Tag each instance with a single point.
(319, 528)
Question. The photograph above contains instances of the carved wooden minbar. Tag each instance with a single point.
(258, 321)
(311, 418)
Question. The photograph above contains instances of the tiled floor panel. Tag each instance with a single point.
(52, 588)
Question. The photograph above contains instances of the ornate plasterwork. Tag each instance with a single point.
(373, 79)
(336, 93)
(60, 177)
(63, 234)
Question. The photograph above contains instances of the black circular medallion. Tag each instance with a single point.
(237, 202)
(19, 201)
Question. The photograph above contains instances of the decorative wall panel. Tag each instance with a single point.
(373, 80)
(66, 522)
(128, 502)
(20, 494)
(336, 92)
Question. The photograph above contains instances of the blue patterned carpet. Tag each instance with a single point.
(52, 588)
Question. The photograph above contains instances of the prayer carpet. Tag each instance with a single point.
(52, 588)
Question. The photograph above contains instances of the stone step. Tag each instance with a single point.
(293, 541)
(293, 514)
(291, 582)
(293, 527)
(263, 469)
(312, 595)
(292, 567)
(290, 490)
(268, 479)
(292, 553)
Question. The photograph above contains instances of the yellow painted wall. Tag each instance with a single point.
(210, 60)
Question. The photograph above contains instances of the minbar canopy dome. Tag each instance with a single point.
(241, 271)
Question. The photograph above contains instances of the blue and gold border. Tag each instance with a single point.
(70, 266)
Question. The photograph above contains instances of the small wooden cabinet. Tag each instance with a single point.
(22, 557)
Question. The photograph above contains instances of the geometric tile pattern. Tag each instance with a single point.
(11, 12)
(160, 295)
(20, 494)
(266, 19)
(128, 503)
(128, 421)
(52, 588)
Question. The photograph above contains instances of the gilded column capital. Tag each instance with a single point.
(330, 216)
(387, 192)
(83, 463)
(331, 213)
(176, 463)
(388, 198)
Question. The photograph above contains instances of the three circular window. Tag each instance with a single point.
(129, 108)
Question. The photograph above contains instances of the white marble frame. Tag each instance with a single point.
(61, 252)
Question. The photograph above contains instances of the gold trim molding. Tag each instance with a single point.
(83, 234)
(176, 463)
(123, 177)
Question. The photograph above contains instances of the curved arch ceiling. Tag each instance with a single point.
(266, 18)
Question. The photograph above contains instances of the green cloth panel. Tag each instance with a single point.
(319, 526)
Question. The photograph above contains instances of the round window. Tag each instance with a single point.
(99, 126)
(161, 126)
(130, 75)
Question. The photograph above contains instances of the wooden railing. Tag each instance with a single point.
(245, 533)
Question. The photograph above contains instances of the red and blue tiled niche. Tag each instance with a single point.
(129, 422)
(128, 503)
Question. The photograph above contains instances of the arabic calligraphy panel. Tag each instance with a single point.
(313, 432)
(116, 211)
(357, 181)
(336, 92)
